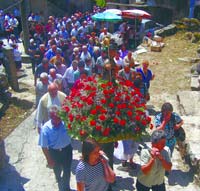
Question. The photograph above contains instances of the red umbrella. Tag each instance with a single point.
(135, 13)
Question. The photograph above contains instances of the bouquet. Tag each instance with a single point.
(107, 111)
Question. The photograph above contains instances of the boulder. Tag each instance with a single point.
(26, 58)
(189, 103)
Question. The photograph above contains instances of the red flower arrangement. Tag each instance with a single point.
(107, 111)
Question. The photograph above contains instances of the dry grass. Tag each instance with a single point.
(171, 74)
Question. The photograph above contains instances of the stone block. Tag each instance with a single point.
(26, 58)
(195, 85)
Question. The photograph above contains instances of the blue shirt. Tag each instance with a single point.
(40, 68)
(145, 77)
(54, 137)
(169, 128)
(91, 176)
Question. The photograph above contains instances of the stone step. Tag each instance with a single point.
(195, 85)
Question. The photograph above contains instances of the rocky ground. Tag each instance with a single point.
(27, 170)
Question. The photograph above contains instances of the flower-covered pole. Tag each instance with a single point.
(105, 110)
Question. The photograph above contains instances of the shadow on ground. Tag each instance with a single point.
(181, 178)
(24, 104)
(10, 179)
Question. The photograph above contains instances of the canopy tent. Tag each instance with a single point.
(106, 16)
(135, 15)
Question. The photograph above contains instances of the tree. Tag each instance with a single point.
(101, 3)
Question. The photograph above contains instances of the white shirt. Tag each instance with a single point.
(119, 62)
(68, 76)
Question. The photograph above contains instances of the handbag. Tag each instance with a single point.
(180, 134)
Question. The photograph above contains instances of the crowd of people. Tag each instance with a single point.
(64, 51)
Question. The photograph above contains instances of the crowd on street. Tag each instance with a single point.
(66, 50)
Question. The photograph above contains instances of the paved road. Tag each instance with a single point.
(27, 169)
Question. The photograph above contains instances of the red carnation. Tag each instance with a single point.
(98, 107)
(90, 101)
(116, 98)
(118, 112)
(148, 119)
(98, 128)
(71, 117)
(93, 112)
(103, 86)
(116, 120)
(102, 117)
(83, 118)
(105, 92)
(66, 109)
(103, 110)
(111, 91)
(111, 105)
(123, 106)
(144, 122)
(80, 105)
(122, 122)
(69, 126)
(128, 83)
(137, 118)
(92, 122)
(129, 113)
(88, 87)
(82, 132)
(103, 101)
(109, 83)
(119, 106)
(128, 98)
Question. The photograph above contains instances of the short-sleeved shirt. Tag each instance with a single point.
(91, 176)
(157, 172)
(169, 128)
(54, 137)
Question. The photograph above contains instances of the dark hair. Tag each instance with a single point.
(157, 135)
(81, 63)
(45, 60)
(87, 147)
(84, 72)
(166, 107)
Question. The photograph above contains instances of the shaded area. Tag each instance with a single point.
(10, 179)
(180, 177)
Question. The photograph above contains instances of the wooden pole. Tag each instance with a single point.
(24, 21)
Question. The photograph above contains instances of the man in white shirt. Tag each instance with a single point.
(104, 34)
(68, 77)
(52, 97)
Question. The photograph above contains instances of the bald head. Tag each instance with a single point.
(52, 72)
(53, 90)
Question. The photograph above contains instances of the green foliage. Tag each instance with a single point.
(197, 36)
(188, 24)
(101, 3)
